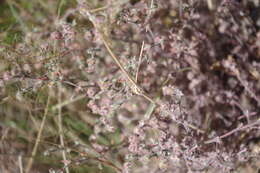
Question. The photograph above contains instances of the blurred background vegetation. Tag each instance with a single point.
(23, 109)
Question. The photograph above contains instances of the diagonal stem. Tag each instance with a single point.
(139, 90)
(139, 62)
(30, 162)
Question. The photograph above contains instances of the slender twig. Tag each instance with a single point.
(95, 10)
(149, 13)
(138, 89)
(30, 162)
(119, 63)
(193, 127)
(232, 132)
(151, 6)
(60, 128)
(20, 162)
(139, 62)
(99, 9)
(62, 104)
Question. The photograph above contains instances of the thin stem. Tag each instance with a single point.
(151, 6)
(99, 9)
(60, 128)
(139, 62)
(20, 162)
(232, 132)
(139, 90)
(149, 13)
(84, 10)
(30, 162)
(60, 105)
